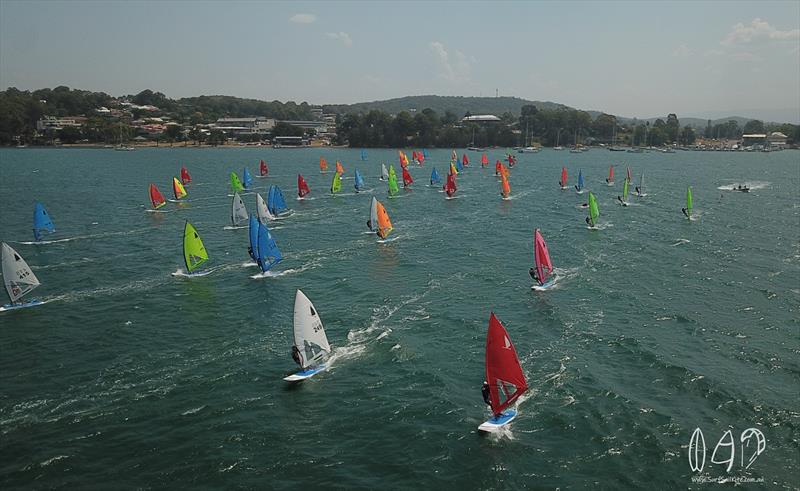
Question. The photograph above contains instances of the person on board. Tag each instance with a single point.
(369, 224)
(637, 190)
(685, 212)
(619, 198)
(534, 275)
(485, 393)
(589, 222)
(296, 356)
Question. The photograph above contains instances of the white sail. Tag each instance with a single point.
(17, 275)
(263, 212)
(238, 210)
(384, 173)
(309, 335)
(373, 215)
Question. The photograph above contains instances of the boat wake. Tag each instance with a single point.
(391, 239)
(150, 210)
(277, 274)
(751, 185)
(33, 303)
(234, 227)
(184, 274)
(82, 237)
(681, 242)
(601, 226)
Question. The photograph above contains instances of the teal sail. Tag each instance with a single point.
(363, 154)
(268, 253)
(41, 222)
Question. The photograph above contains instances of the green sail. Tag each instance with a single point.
(391, 172)
(625, 191)
(236, 184)
(593, 211)
(689, 201)
(336, 185)
(194, 253)
(393, 189)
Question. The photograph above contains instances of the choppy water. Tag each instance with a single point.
(130, 377)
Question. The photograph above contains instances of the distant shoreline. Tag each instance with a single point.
(153, 145)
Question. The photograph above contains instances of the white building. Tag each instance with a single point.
(481, 118)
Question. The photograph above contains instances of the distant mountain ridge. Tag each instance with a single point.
(459, 105)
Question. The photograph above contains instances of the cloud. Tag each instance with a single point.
(341, 36)
(454, 68)
(757, 30)
(682, 51)
(303, 18)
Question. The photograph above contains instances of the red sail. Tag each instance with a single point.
(497, 167)
(450, 185)
(420, 158)
(264, 168)
(406, 178)
(541, 257)
(484, 160)
(156, 197)
(563, 177)
(630, 179)
(503, 373)
(610, 174)
(464, 160)
(302, 187)
(185, 177)
(511, 160)
(413, 155)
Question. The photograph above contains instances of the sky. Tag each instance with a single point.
(637, 59)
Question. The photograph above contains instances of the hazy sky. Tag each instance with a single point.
(628, 58)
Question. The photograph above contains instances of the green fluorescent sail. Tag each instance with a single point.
(236, 184)
(393, 189)
(625, 191)
(593, 211)
(194, 253)
(336, 185)
(689, 200)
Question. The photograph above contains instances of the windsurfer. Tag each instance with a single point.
(534, 275)
(685, 212)
(485, 393)
(296, 356)
(638, 191)
(619, 198)
(369, 224)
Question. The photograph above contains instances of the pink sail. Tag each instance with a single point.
(541, 258)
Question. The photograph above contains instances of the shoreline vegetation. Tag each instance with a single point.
(70, 117)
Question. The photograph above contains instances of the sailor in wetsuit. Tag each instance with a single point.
(534, 275)
(485, 393)
(296, 356)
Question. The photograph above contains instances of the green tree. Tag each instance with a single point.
(753, 126)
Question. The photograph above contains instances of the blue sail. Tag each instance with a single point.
(41, 222)
(363, 154)
(425, 153)
(275, 202)
(459, 165)
(359, 181)
(247, 179)
(580, 180)
(268, 253)
(435, 179)
(253, 249)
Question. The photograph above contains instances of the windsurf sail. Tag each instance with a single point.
(302, 186)
(236, 184)
(497, 168)
(593, 211)
(579, 187)
(247, 179)
(384, 173)
(323, 164)
(339, 168)
(185, 177)
(309, 335)
(689, 201)
(450, 185)
(336, 183)
(453, 169)
(407, 180)
(393, 188)
(384, 224)
(275, 202)
(503, 371)
(424, 153)
(453, 155)
(640, 189)
(625, 191)
(505, 187)
(262, 211)
(402, 158)
(268, 253)
(504, 172)
(363, 154)
(238, 210)
(563, 181)
(17, 275)
(372, 223)
(629, 178)
(420, 158)
(194, 253)
(464, 160)
(156, 197)
(459, 165)
(263, 169)
(484, 160)
(435, 178)
(610, 174)
(541, 258)
(177, 188)
(253, 233)
(359, 181)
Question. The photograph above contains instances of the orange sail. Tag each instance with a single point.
(506, 188)
(339, 168)
(504, 171)
(323, 164)
(498, 168)
(484, 160)
(384, 224)
(178, 189)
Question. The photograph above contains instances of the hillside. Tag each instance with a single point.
(697, 123)
(456, 104)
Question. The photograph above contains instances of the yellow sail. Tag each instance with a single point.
(178, 189)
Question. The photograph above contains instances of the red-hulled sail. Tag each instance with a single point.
(302, 187)
(406, 178)
(464, 160)
(264, 169)
(503, 372)
(563, 177)
(156, 197)
(497, 167)
(420, 158)
(541, 257)
(511, 160)
(185, 177)
(484, 160)
(414, 155)
(611, 173)
(450, 185)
